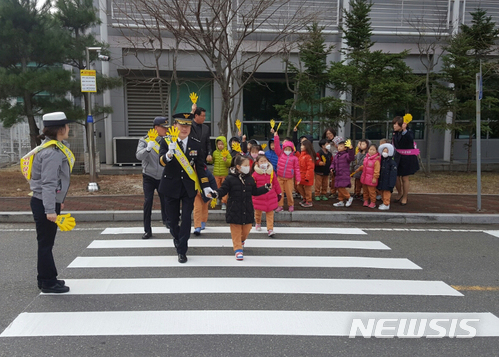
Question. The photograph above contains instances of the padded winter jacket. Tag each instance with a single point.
(319, 157)
(307, 165)
(341, 166)
(267, 202)
(221, 167)
(287, 166)
(370, 170)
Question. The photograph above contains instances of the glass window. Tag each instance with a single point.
(202, 88)
(259, 100)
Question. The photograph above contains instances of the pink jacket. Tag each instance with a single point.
(267, 202)
(370, 170)
(287, 166)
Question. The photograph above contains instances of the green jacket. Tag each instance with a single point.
(221, 167)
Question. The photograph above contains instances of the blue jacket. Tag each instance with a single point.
(388, 174)
(272, 156)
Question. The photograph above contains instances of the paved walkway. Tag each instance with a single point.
(417, 203)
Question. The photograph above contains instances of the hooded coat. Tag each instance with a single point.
(271, 155)
(221, 167)
(240, 188)
(388, 171)
(307, 166)
(341, 166)
(267, 202)
(370, 170)
(287, 166)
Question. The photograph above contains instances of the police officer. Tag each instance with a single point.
(178, 184)
(148, 153)
(50, 175)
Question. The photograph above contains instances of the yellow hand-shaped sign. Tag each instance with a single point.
(173, 133)
(213, 203)
(323, 159)
(194, 97)
(407, 118)
(272, 123)
(224, 153)
(299, 121)
(152, 134)
(279, 126)
(236, 147)
(263, 146)
(238, 124)
(348, 144)
(65, 222)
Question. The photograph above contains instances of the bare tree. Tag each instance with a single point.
(431, 39)
(233, 38)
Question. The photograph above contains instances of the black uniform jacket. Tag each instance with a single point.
(201, 132)
(174, 175)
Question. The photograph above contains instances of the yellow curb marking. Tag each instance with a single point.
(475, 288)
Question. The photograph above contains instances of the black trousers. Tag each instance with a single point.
(149, 184)
(45, 235)
(180, 233)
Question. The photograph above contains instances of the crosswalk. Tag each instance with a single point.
(133, 277)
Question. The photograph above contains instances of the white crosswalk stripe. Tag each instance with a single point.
(114, 256)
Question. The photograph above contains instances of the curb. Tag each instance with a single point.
(309, 216)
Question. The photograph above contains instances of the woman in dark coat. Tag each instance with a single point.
(240, 214)
(405, 157)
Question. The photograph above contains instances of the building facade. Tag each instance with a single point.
(140, 60)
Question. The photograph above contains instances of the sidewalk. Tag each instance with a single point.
(421, 208)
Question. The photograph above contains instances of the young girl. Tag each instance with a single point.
(359, 160)
(287, 168)
(370, 175)
(240, 186)
(263, 174)
(387, 176)
(253, 153)
(341, 170)
(221, 164)
(322, 164)
(307, 166)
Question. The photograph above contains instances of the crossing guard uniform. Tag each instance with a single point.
(151, 176)
(178, 187)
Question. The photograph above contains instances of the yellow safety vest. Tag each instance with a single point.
(27, 160)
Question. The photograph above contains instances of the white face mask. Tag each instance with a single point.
(287, 152)
(245, 169)
(264, 166)
(328, 147)
(385, 154)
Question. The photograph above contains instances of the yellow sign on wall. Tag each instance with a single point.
(88, 80)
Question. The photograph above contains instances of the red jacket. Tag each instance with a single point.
(307, 166)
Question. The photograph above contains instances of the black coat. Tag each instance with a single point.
(202, 133)
(387, 174)
(406, 164)
(174, 175)
(240, 188)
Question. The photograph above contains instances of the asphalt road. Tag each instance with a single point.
(261, 316)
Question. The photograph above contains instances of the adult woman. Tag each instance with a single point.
(50, 174)
(329, 134)
(405, 157)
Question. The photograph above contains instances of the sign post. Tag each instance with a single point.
(479, 96)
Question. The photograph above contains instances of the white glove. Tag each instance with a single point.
(172, 146)
(170, 153)
(150, 145)
(208, 191)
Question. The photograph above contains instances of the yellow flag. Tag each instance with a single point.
(213, 203)
(152, 134)
(224, 153)
(238, 124)
(407, 118)
(264, 146)
(236, 147)
(173, 133)
(272, 123)
(194, 97)
(299, 121)
(279, 126)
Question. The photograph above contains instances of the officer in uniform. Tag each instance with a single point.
(148, 153)
(177, 185)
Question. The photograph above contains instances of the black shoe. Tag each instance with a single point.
(167, 224)
(55, 289)
(147, 235)
(182, 258)
(60, 282)
(175, 243)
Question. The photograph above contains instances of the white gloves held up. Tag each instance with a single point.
(150, 145)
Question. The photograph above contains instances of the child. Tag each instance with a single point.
(378, 193)
(264, 174)
(322, 164)
(240, 186)
(387, 176)
(233, 140)
(287, 168)
(341, 170)
(221, 165)
(271, 154)
(253, 153)
(307, 165)
(370, 175)
(359, 160)
(201, 205)
(331, 146)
